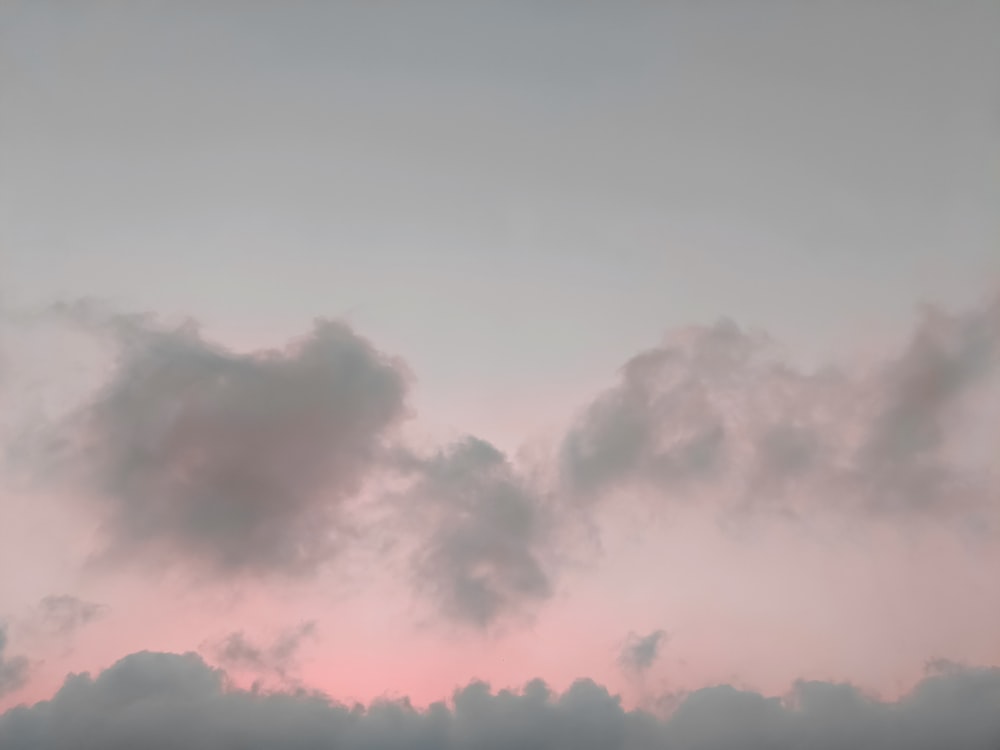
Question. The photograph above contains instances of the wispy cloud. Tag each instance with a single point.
(641, 652)
(715, 411)
(276, 658)
(13, 669)
(64, 614)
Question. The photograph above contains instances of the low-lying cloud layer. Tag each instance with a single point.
(164, 701)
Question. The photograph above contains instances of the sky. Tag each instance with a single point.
(499, 374)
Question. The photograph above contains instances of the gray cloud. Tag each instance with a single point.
(168, 702)
(237, 651)
(488, 527)
(919, 393)
(13, 669)
(238, 462)
(660, 424)
(65, 614)
(716, 407)
(243, 462)
(640, 652)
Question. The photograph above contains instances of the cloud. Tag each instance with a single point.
(716, 410)
(168, 702)
(64, 614)
(487, 528)
(13, 669)
(920, 392)
(640, 652)
(244, 463)
(236, 651)
(660, 424)
(235, 462)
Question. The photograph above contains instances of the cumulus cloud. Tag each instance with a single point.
(486, 531)
(169, 702)
(717, 407)
(64, 614)
(640, 652)
(237, 651)
(242, 463)
(236, 462)
(661, 423)
(13, 669)
(920, 391)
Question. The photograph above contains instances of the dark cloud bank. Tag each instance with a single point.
(162, 701)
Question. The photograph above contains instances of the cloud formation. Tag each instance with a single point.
(486, 529)
(164, 701)
(640, 652)
(716, 407)
(13, 669)
(237, 462)
(64, 614)
(242, 463)
(237, 651)
(920, 392)
(661, 424)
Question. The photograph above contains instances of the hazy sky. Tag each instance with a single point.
(376, 348)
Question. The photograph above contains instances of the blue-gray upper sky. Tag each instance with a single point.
(505, 193)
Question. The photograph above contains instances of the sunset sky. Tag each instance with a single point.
(368, 353)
